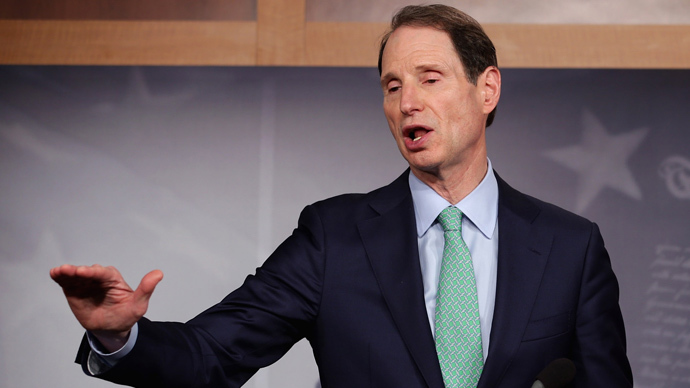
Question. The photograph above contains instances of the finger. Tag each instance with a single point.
(143, 293)
(63, 270)
(89, 271)
(54, 272)
(63, 274)
(68, 275)
(98, 273)
(148, 284)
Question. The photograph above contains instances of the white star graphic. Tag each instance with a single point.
(600, 161)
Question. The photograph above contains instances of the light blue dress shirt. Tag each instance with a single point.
(480, 232)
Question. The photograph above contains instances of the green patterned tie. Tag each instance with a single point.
(458, 332)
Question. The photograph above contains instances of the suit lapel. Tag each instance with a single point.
(523, 249)
(391, 245)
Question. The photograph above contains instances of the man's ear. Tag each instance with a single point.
(490, 83)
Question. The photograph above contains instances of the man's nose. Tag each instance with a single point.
(410, 100)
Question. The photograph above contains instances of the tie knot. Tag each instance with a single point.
(450, 219)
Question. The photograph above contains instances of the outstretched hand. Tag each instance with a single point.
(103, 302)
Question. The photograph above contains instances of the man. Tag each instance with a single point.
(365, 278)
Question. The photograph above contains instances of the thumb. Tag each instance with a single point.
(148, 284)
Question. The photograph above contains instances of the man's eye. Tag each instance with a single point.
(393, 89)
(431, 81)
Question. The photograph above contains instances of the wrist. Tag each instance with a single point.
(111, 341)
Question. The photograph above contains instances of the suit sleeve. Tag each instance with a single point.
(250, 328)
(599, 350)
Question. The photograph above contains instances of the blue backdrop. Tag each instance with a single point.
(201, 172)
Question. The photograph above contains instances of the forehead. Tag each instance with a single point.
(412, 44)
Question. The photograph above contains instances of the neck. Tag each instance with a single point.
(456, 183)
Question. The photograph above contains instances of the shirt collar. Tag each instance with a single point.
(480, 206)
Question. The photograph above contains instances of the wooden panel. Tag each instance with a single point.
(523, 46)
(592, 46)
(127, 43)
(280, 32)
(343, 44)
(285, 41)
(237, 10)
(608, 12)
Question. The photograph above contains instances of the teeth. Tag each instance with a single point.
(416, 138)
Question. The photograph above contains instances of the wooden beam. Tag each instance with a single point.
(524, 45)
(280, 32)
(41, 42)
(343, 44)
(592, 46)
(293, 42)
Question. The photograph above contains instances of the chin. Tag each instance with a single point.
(425, 168)
(422, 163)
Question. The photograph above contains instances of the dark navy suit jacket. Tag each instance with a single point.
(348, 279)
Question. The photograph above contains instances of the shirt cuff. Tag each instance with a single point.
(99, 361)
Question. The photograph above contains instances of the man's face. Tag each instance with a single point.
(435, 115)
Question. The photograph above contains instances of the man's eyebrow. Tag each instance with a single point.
(429, 66)
(386, 78)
